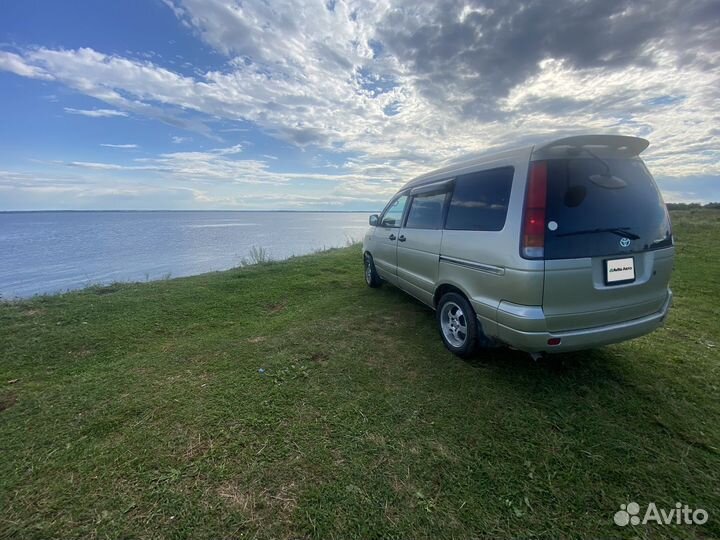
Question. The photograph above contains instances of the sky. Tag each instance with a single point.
(310, 105)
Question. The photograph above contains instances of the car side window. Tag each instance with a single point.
(394, 212)
(480, 200)
(426, 211)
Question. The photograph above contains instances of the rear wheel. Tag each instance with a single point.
(371, 276)
(457, 324)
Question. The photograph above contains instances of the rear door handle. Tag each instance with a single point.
(402, 238)
(391, 237)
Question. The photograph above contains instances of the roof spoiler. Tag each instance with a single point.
(605, 144)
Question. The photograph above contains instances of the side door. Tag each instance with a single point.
(418, 252)
(386, 238)
(480, 240)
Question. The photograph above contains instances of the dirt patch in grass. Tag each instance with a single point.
(443, 451)
(198, 447)
(7, 401)
(376, 439)
(258, 503)
(277, 307)
(319, 358)
(257, 339)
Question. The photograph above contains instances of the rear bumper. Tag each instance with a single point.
(585, 338)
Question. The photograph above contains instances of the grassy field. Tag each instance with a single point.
(290, 400)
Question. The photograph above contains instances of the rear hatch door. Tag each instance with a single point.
(608, 242)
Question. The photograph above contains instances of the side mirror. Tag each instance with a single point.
(374, 220)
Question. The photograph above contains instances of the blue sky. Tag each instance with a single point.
(218, 104)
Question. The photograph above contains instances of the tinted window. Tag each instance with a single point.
(394, 212)
(480, 201)
(426, 211)
(594, 204)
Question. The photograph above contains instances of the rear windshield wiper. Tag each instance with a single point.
(620, 231)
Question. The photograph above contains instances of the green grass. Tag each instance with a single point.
(139, 411)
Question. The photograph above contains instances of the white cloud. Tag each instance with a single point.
(279, 201)
(224, 178)
(124, 146)
(16, 64)
(98, 166)
(315, 76)
(95, 113)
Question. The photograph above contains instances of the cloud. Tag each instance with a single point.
(219, 169)
(181, 140)
(466, 55)
(77, 190)
(400, 86)
(217, 178)
(102, 166)
(108, 145)
(287, 202)
(95, 113)
(16, 64)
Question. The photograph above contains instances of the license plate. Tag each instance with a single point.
(619, 271)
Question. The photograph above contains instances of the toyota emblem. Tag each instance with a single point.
(624, 242)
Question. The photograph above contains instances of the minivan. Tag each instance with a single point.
(555, 247)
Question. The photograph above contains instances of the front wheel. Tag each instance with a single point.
(371, 276)
(457, 324)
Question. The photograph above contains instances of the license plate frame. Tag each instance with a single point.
(619, 271)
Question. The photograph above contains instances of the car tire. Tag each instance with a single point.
(457, 323)
(371, 276)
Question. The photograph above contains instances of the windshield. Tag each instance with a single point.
(598, 207)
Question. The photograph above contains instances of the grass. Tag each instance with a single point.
(290, 400)
(256, 255)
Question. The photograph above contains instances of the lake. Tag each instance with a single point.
(50, 252)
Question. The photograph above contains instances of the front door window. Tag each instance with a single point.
(393, 214)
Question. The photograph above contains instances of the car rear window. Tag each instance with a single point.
(598, 206)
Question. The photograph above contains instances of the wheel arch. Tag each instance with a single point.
(483, 340)
(444, 288)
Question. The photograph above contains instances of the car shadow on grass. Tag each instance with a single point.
(502, 356)
(598, 371)
(586, 367)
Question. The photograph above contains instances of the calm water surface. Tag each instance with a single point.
(50, 252)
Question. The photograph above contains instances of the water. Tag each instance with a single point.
(50, 252)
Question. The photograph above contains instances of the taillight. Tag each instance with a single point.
(533, 235)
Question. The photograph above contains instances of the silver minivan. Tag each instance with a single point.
(555, 247)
